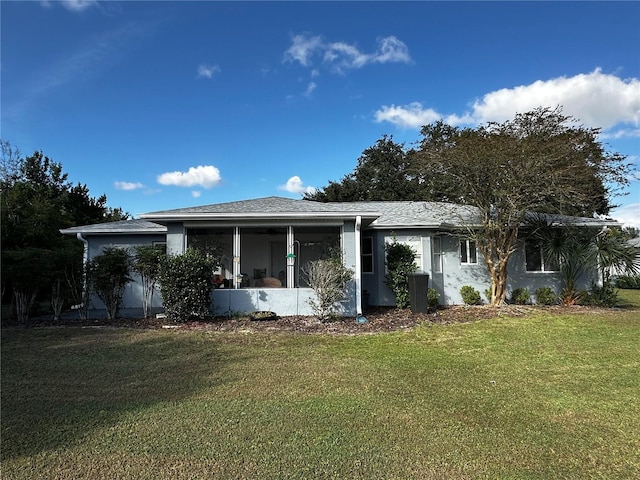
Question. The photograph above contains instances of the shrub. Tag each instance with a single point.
(628, 281)
(546, 296)
(185, 285)
(520, 296)
(146, 263)
(487, 295)
(432, 299)
(605, 296)
(400, 264)
(110, 273)
(327, 278)
(470, 296)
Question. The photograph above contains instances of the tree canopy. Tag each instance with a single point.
(384, 172)
(542, 158)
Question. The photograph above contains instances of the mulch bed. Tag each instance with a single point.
(379, 319)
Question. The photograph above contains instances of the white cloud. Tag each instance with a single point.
(414, 115)
(128, 185)
(295, 185)
(73, 5)
(392, 50)
(339, 56)
(207, 71)
(628, 215)
(595, 99)
(78, 5)
(310, 88)
(205, 176)
(196, 193)
(302, 49)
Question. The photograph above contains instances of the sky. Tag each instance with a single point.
(163, 105)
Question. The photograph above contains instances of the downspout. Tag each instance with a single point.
(85, 261)
(358, 275)
(85, 255)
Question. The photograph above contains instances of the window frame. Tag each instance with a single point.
(529, 247)
(436, 254)
(368, 255)
(468, 243)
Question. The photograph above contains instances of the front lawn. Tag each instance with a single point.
(541, 396)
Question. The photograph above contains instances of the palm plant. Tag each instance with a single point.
(577, 249)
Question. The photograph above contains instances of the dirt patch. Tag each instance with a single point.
(380, 319)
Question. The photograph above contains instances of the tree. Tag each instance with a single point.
(384, 172)
(110, 273)
(146, 263)
(29, 270)
(540, 161)
(37, 200)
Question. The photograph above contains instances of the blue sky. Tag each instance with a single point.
(165, 105)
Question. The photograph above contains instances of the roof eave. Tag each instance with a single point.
(118, 231)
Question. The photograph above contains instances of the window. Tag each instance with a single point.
(536, 261)
(313, 243)
(217, 242)
(436, 247)
(367, 254)
(263, 256)
(415, 242)
(162, 246)
(468, 252)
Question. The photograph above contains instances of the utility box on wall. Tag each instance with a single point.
(418, 286)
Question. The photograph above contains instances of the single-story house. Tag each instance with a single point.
(265, 243)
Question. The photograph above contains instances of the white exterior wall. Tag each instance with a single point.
(455, 275)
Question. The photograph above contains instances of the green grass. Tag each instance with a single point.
(509, 398)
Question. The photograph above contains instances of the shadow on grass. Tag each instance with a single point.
(59, 385)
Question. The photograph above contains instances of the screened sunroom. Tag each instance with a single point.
(262, 256)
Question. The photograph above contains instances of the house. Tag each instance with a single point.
(265, 243)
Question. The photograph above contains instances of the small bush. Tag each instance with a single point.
(327, 278)
(400, 264)
(520, 296)
(470, 296)
(605, 296)
(628, 281)
(487, 294)
(546, 296)
(185, 285)
(432, 299)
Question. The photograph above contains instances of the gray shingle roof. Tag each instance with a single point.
(383, 214)
(124, 226)
(375, 215)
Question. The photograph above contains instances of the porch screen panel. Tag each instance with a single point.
(218, 243)
(313, 243)
(263, 257)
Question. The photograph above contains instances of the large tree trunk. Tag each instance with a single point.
(498, 274)
(496, 246)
